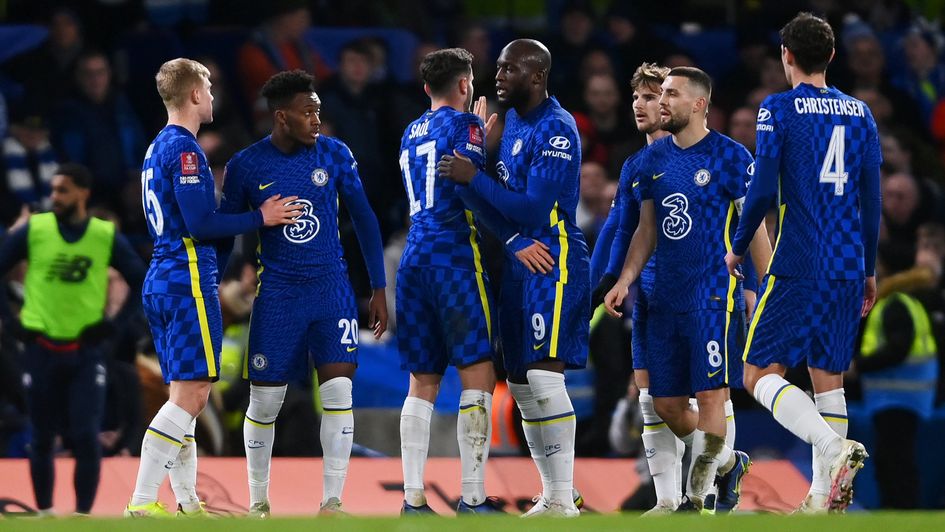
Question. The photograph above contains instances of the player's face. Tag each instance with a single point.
(205, 109)
(301, 118)
(65, 196)
(676, 104)
(512, 79)
(469, 96)
(646, 108)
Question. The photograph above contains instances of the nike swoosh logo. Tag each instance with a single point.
(714, 373)
(255, 446)
(657, 176)
(552, 452)
(351, 349)
(264, 187)
(347, 431)
(537, 347)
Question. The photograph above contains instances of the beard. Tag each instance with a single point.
(64, 212)
(675, 124)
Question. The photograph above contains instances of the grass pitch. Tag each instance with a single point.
(857, 522)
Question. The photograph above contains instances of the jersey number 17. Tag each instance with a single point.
(427, 150)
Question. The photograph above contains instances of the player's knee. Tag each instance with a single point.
(336, 393)
(669, 408)
(265, 402)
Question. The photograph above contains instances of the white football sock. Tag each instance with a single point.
(558, 426)
(414, 445)
(832, 406)
(474, 432)
(796, 412)
(159, 450)
(337, 434)
(528, 406)
(709, 453)
(184, 473)
(259, 434)
(729, 424)
(660, 446)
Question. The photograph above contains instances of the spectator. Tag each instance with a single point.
(902, 215)
(610, 121)
(356, 112)
(632, 42)
(99, 129)
(29, 163)
(925, 80)
(228, 118)
(476, 40)
(741, 127)
(573, 42)
(594, 204)
(48, 73)
(278, 44)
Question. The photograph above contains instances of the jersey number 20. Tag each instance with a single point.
(426, 150)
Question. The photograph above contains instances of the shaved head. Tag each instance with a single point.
(531, 53)
(522, 74)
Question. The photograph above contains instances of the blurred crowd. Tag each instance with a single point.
(85, 93)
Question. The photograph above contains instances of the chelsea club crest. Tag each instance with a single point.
(702, 177)
(260, 362)
(320, 177)
(517, 147)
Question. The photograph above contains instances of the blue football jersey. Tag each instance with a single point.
(545, 143)
(697, 195)
(310, 248)
(442, 231)
(824, 139)
(180, 265)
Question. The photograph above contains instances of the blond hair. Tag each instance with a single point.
(648, 74)
(177, 78)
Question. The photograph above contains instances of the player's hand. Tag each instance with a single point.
(280, 211)
(615, 297)
(377, 312)
(456, 167)
(480, 109)
(606, 283)
(732, 261)
(536, 258)
(869, 295)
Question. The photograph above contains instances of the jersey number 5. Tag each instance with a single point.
(426, 150)
(832, 171)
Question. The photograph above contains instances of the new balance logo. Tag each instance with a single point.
(264, 187)
(69, 270)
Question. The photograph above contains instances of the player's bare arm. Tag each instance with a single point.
(280, 211)
(641, 249)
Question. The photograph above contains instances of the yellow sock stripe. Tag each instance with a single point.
(779, 396)
(469, 409)
(653, 428)
(164, 437)
(836, 419)
(729, 418)
(757, 316)
(480, 280)
(253, 422)
(558, 420)
(337, 412)
(189, 438)
(201, 307)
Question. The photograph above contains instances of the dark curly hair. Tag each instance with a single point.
(282, 87)
(441, 68)
(80, 175)
(811, 41)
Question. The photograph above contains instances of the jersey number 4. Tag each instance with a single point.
(427, 150)
(832, 171)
